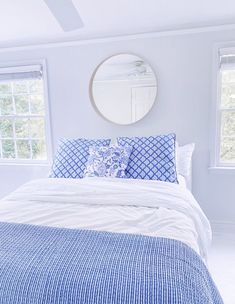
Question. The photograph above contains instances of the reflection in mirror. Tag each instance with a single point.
(124, 89)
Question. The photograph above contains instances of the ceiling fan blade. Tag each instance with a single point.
(66, 14)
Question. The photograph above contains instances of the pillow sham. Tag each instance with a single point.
(107, 161)
(184, 159)
(152, 157)
(71, 157)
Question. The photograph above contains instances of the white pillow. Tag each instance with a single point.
(184, 159)
(182, 181)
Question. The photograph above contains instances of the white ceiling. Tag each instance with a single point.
(30, 21)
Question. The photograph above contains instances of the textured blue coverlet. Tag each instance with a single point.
(52, 265)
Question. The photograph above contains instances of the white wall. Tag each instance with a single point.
(183, 65)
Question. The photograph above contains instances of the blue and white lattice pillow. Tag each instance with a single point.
(71, 157)
(107, 161)
(152, 157)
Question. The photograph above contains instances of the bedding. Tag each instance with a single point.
(147, 207)
(152, 157)
(104, 240)
(71, 157)
(65, 266)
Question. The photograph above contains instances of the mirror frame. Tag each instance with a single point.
(92, 99)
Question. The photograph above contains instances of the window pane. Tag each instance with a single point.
(35, 86)
(228, 123)
(22, 128)
(22, 104)
(227, 150)
(37, 128)
(20, 87)
(22, 120)
(6, 128)
(23, 149)
(39, 149)
(228, 95)
(6, 105)
(5, 88)
(37, 104)
(228, 76)
(8, 149)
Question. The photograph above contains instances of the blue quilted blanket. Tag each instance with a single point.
(54, 266)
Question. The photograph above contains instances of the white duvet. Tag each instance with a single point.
(150, 208)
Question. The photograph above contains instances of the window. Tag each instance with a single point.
(22, 114)
(226, 110)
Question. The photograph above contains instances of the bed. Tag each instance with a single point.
(104, 240)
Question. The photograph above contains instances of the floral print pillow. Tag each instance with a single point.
(107, 161)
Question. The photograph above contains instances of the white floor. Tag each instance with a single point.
(222, 261)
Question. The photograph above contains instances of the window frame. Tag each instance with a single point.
(216, 111)
(48, 134)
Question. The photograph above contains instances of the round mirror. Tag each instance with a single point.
(123, 88)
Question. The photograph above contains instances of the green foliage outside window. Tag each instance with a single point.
(227, 147)
(22, 121)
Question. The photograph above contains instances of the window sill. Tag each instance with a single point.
(222, 170)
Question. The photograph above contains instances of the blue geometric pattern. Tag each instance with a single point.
(107, 161)
(45, 265)
(71, 157)
(152, 157)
